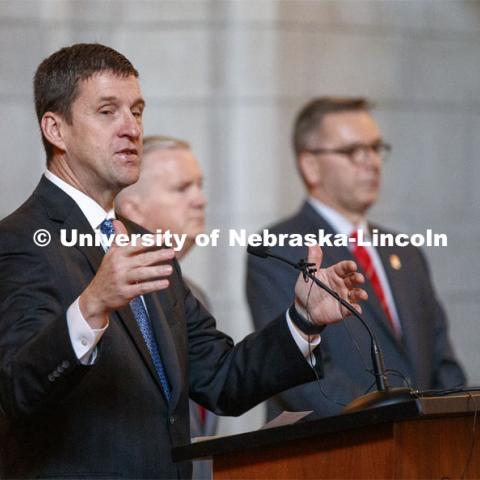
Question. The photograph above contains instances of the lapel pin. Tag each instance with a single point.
(395, 262)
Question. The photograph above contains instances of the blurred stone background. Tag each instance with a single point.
(229, 76)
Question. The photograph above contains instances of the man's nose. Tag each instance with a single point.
(132, 126)
(368, 157)
(200, 200)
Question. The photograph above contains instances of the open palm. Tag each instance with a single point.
(342, 277)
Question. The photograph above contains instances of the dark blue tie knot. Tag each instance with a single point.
(107, 228)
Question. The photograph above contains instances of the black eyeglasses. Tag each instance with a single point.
(358, 153)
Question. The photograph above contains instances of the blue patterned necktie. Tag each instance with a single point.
(143, 322)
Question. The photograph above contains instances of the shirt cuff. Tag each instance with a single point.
(84, 338)
(304, 346)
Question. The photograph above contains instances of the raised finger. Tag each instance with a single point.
(356, 295)
(123, 238)
(153, 257)
(152, 272)
(345, 268)
(353, 279)
(147, 287)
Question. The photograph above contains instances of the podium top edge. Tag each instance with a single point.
(422, 407)
(302, 429)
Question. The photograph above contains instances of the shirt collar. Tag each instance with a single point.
(338, 222)
(93, 212)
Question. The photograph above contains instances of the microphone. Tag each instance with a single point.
(385, 395)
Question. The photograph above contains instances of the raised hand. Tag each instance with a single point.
(125, 273)
(342, 277)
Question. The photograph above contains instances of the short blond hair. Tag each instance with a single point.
(163, 142)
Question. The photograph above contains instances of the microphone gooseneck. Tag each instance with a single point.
(384, 395)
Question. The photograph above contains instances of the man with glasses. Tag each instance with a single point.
(340, 154)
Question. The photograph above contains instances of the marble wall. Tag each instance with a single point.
(229, 77)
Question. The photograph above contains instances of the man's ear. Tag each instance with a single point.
(51, 125)
(309, 169)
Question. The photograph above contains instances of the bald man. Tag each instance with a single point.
(169, 196)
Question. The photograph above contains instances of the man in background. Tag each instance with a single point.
(340, 154)
(169, 196)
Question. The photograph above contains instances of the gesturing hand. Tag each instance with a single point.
(342, 277)
(125, 273)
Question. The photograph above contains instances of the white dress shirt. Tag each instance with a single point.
(84, 339)
(342, 225)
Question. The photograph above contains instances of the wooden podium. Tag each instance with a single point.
(431, 437)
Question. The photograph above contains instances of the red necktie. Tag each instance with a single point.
(365, 261)
(202, 412)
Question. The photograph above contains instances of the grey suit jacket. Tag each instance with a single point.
(110, 419)
(424, 355)
(201, 427)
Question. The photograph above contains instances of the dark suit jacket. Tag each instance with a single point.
(110, 419)
(424, 355)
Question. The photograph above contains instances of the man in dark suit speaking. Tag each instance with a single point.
(101, 346)
(340, 152)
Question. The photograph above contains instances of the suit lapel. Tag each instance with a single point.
(156, 304)
(63, 210)
(129, 322)
(399, 288)
(165, 340)
(94, 255)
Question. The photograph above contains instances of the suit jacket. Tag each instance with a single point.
(110, 419)
(424, 355)
(206, 426)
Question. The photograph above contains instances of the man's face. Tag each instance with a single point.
(103, 143)
(171, 192)
(347, 185)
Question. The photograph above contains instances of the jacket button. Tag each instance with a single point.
(66, 364)
(51, 377)
(171, 419)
